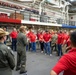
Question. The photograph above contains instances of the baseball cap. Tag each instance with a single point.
(3, 33)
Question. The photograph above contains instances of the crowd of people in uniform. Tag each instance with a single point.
(26, 40)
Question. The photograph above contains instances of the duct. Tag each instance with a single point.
(72, 6)
(73, 9)
(40, 6)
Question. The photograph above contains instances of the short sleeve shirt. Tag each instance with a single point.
(67, 63)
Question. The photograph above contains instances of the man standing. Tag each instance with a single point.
(47, 38)
(7, 61)
(32, 39)
(53, 42)
(28, 38)
(13, 35)
(41, 41)
(59, 43)
(21, 52)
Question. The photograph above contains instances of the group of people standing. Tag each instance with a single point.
(23, 40)
(49, 41)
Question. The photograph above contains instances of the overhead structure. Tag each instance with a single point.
(24, 0)
(38, 12)
(72, 6)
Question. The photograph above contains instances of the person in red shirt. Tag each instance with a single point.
(67, 62)
(47, 47)
(32, 38)
(59, 43)
(68, 42)
(33, 41)
(13, 35)
(38, 35)
(28, 46)
(41, 40)
(64, 41)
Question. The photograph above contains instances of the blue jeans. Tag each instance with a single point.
(14, 41)
(33, 46)
(28, 47)
(47, 47)
(59, 49)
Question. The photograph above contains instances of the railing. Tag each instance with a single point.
(36, 17)
(47, 19)
(66, 22)
(30, 16)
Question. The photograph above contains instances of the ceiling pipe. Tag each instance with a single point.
(40, 6)
(72, 9)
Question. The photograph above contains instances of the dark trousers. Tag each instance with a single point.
(59, 49)
(14, 41)
(50, 43)
(41, 45)
(29, 46)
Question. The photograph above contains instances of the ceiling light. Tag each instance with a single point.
(71, 0)
(26, 0)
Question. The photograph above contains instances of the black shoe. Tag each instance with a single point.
(17, 69)
(21, 72)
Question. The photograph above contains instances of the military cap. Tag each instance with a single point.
(3, 33)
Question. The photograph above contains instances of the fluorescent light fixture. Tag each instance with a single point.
(26, 0)
(57, 6)
(71, 0)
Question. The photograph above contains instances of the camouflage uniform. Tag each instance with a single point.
(53, 42)
(21, 52)
(7, 61)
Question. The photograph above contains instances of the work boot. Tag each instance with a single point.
(21, 72)
(17, 68)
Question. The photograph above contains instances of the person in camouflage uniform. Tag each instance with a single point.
(7, 61)
(21, 50)
(53, 41)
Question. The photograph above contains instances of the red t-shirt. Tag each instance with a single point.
(67, 63)
(59, 40)
(41, 37)
(46, 37)
(13, 34)
(68, 42)
(32, 37)
(38, 35)
(64, 38)
(28, 34)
